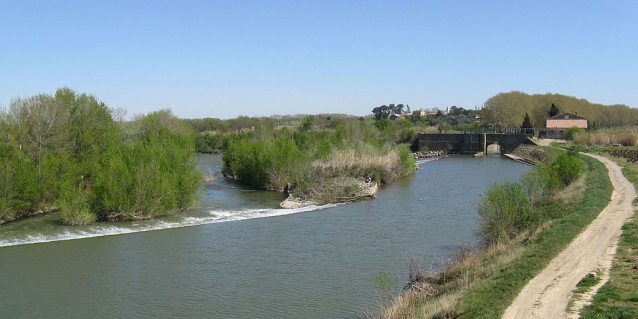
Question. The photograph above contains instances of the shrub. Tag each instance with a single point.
(18, 184)
(505, 210)
(572, 131)
(74, 209)
(406, 135)
(208, 143)
(268, 164)
(149, 178)
(382, 124)
(537, 185)
(568, 168)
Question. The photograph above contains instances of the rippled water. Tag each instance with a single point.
(227, 260)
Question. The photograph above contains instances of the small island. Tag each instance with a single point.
(324, 159)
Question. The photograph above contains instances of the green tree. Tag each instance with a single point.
(553, 111)
(66, 150)
(42, 125)
(384, 111)
(526, 122)
(444, 127)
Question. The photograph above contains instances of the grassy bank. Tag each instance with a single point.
(618, 298)
(482, 283)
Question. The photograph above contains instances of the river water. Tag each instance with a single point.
(237, 256)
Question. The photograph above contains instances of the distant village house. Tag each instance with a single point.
(558, 125)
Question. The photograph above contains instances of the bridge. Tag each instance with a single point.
(472, 143)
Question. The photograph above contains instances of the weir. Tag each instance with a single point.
(472, 143)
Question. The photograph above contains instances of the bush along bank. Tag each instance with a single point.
(523, 225)
(318, 166)
(65, 152)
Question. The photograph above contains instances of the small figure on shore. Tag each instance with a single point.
(368, 179)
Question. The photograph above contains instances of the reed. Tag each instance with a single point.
(627, 136)
(382, 167)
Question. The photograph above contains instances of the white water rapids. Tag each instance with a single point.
(98, 230)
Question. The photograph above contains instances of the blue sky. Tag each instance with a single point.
(229, 58)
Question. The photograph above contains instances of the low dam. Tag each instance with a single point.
(471, 143)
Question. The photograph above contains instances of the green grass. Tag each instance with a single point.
(618, 298)
(489, 298)
(586, 283)
(583, 286)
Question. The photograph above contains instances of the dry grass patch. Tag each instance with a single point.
(435, 294)
(383, 168)
(573, 192)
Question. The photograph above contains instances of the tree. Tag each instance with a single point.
(527, 123)
(118, 114)
(417, 116)
(66, 151)
(306, 124)
(41, 123)
(381, 112)
(444, 127)
(553, 111)
(385, 111)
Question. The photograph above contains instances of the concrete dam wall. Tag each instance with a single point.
(470, 143)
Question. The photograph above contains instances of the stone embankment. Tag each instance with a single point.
(366, 190)
(528, 154)
(429, 154)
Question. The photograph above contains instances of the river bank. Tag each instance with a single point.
(25, 214)
(481, 283)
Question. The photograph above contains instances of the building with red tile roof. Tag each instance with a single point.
(558, 125)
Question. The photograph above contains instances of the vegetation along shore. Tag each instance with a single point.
(66, 152)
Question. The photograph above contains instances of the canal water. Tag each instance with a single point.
(238, 256)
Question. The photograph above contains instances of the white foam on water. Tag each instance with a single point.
(425, 160)
(110, 230)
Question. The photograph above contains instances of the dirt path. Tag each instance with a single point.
(547, 295)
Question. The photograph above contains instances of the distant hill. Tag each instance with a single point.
(508, 109)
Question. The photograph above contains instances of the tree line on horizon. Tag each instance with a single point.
(509, 109)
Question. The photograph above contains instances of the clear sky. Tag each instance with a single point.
(229, 58)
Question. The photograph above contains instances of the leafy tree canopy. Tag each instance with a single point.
(385, 111)
(507, 109)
